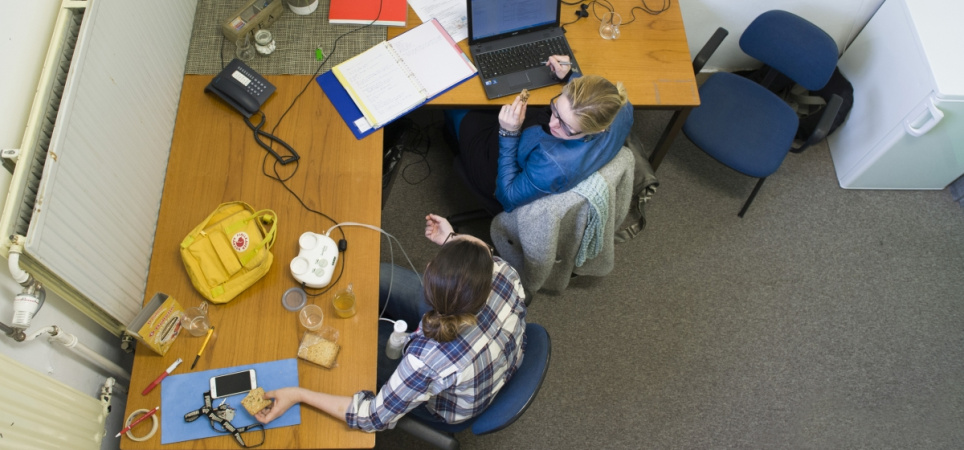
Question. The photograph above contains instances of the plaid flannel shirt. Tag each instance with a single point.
(456, 380)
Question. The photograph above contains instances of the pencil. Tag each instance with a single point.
(139, 420)
(205, 344)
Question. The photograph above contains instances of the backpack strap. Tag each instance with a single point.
(644, 186)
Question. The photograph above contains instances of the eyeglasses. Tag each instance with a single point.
(565, 127)
(453, 234)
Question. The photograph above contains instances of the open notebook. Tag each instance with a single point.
(394, 77)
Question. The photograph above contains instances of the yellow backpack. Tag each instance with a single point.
(230, 250)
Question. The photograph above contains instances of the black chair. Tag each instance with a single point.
(509, 404)
(743, 124)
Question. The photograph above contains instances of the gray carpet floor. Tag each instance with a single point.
(826, 318)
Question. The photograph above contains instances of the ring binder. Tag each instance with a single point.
(394, 77)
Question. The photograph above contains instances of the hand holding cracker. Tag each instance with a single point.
(254, 402)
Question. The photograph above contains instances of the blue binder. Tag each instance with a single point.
(350, 112)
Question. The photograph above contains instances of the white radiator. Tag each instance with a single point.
(42, 413)
(87, 183)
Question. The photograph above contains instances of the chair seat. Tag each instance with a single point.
(742, 125)
(516, 396)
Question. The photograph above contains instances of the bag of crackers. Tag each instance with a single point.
(320, 347)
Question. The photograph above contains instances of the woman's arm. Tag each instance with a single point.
(513, 185)
(285, 398)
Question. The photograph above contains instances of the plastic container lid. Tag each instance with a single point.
(294, 299)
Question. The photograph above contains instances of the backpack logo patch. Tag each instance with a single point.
(240, 241)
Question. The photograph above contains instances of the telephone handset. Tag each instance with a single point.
(241, 87)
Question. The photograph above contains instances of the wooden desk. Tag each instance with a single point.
(214, 159)
(651, 58)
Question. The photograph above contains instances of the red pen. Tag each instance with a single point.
(161, 377)
(139, 420)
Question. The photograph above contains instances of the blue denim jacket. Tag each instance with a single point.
(537, 163)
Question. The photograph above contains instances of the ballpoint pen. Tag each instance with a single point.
(561, 63)
(205, 344)
(161, 377)
(139, 420)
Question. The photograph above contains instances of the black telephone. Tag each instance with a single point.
(241, 87)
(245, 90)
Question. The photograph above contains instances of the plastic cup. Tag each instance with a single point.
(311, 317)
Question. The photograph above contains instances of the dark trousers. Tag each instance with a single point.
(478, 137)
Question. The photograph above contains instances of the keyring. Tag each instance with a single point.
(130, 419)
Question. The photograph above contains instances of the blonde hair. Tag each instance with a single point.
(595, 102)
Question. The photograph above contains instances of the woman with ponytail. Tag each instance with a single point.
(469, 309)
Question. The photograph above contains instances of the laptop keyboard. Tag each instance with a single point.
(522, 57)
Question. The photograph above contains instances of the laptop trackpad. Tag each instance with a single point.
(517, 80)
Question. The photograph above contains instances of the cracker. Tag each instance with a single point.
(254, 402)
(524, 95)
(322, 353)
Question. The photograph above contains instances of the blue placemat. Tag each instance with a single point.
(181, 394)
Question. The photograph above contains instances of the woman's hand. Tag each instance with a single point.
(556, 66)
(512, 115)
(437, 228)
(284, 398)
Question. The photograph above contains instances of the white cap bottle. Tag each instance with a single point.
(397, 340)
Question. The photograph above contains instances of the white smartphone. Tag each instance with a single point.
(233, 383)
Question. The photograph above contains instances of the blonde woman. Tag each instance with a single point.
(517, 158)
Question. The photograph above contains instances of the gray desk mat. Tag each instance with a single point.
(296, 38)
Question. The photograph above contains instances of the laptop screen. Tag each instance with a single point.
(490, 18)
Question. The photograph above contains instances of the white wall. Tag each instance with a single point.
(25, 29)
(841, 19)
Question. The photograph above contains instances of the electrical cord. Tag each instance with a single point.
(257, 137)
(609, 7)
(391, 252)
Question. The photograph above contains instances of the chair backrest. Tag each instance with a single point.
(516, 396)
(541, 239)
(793, 46)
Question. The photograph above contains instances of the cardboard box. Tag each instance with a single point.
(158, 324)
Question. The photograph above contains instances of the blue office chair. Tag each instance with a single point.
(509, 404)
(744, 125)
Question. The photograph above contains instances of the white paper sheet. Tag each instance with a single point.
(451, 14)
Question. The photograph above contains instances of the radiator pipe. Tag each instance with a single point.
(70, 341)
(8, 330)
(13, 262)
(28, 302)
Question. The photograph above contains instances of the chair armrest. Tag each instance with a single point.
(823, 126)
(708, 49)
(437, 438)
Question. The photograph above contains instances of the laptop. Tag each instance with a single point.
(510, 41)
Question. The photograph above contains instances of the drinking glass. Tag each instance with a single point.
(344, 303)
(609, 26)
(245, 51)
(195, 320)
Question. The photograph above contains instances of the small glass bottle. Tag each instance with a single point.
(397, 340)
(264, 42)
